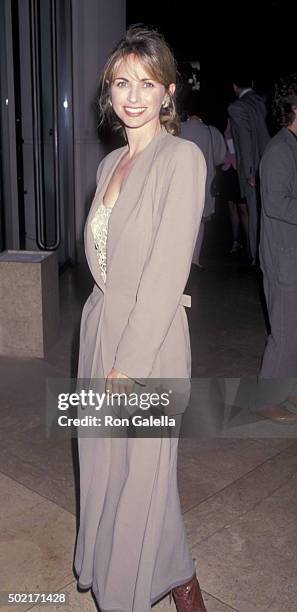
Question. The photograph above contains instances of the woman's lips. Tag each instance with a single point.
(134, 112)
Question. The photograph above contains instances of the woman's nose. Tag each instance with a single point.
(133, 93)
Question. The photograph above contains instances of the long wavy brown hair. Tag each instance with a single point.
(150, 47)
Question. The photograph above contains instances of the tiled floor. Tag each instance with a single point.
(239, 495)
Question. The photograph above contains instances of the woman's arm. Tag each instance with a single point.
(166, 270)
(220, 148)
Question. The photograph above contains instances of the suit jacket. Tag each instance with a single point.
(250, 134)
(212, 145)
(278, 176)
(136, 322)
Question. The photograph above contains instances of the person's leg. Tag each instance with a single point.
(234, 218)
(277, 380)
(198, 245)
(235, 223)
(280, 355)
(244, 219)
(253, 220)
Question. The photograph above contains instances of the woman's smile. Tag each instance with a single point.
(134, 112)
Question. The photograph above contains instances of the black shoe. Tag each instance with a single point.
(236, 247)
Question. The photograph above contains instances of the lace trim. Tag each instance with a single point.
(99, 226)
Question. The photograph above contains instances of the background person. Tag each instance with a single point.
(250, 135)
(211, 142)
(230, 193)
(278, 258)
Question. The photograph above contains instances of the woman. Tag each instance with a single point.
(211, 143)
(131, 546)
(230, 191)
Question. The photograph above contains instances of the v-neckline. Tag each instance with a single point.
(109, 177)
(117, 163)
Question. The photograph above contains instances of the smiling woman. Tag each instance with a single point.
(139, 239)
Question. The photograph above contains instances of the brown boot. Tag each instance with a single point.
(188, 598)
(278, 413)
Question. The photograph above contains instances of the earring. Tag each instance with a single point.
(166, 102)
(110, 102)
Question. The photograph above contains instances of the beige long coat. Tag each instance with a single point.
(131, 544)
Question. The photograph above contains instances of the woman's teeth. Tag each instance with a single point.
(134, 111)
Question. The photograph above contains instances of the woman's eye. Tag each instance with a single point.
(125, 84)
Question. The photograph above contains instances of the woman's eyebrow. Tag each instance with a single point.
(124, 79)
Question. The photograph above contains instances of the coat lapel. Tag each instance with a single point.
(123, 207)
(90, 250)
(130, 195)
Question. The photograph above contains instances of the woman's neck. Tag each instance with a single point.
(139, 138)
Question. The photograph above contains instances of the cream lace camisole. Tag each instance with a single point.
(99, 226)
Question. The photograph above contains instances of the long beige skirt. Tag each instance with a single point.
(131, 545)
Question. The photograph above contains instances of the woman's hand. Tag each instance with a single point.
(117, 382)
(251, 181)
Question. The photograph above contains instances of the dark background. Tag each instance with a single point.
(259, 36)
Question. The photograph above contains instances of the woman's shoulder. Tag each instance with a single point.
(107, 162)
(112, 156)
(191, 126)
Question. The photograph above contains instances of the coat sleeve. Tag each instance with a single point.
(219, 147)
(277, 179)
(99, 171)
(167, 268)
(242, 135)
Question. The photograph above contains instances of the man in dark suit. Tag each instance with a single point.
(278, 258)
(250, 135)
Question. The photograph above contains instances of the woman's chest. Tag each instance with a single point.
(117, 181)
(128, 236)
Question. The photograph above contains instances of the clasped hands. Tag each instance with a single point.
(117, 382)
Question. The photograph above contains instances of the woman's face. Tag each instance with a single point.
(136, 97)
